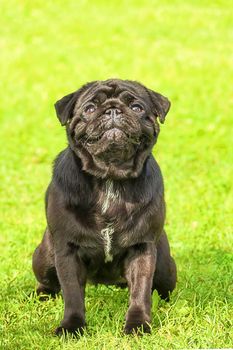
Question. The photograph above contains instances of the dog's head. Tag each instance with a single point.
(112, 125)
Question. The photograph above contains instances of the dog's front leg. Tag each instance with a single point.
(139, 272)
(72, 277)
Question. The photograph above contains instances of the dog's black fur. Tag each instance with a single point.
(105, 204)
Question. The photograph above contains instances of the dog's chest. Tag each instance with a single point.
(110, 197)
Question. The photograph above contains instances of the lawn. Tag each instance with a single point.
(182, 49)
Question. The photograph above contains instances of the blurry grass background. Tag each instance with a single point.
(182, 49)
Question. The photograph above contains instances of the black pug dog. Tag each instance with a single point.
(105, 204)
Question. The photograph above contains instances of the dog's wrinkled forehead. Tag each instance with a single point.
(125, 91)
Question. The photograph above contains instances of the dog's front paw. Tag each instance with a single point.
(75, 325)
(137, 322)
(59, 331)
(138, 328)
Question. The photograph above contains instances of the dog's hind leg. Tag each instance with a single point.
(164, 280)
(43, 264)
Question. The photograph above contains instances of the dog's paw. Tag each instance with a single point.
(138, 328)
(75, 326)
(62, 331)
(137, 322)
(44, 293)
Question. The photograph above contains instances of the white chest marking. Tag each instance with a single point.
(107, 232)
(110, 196)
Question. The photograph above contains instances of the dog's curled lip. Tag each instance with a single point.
(113, 135)
(112, 141)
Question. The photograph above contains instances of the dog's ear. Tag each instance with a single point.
(64, 107)
(161, 105)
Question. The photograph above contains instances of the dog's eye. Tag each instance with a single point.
(90, 108)
(136, 107)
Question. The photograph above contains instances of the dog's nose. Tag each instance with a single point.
(113, 112)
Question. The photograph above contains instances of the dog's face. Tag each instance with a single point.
(112, 125)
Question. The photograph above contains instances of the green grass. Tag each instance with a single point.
(179, 48)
